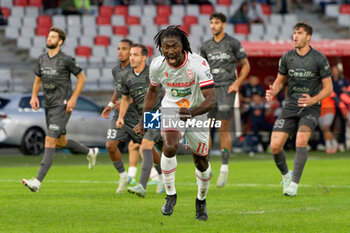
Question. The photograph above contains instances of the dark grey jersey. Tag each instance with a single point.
(222, 58)
(136, 86)
(118, 73)
(55, 76)
(305, 74)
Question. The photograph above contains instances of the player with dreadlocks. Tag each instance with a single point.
(189, 95)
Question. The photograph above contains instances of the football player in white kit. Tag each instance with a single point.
(189, 95)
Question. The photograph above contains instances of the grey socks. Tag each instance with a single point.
(299, 163)
(147, 162)
(76, 147)
(225, 155)
(46, 163)
(119, 165)
(281, 163)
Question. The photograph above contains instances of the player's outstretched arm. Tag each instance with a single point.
(275, 87)
(150, 100)
(34, 101)
(78, 87)
(327, 88)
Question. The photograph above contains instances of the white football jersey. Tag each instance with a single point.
(182, 84)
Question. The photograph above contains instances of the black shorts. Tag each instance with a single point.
(292, 118)
(126, 132)
(224, 104)
(56, 121)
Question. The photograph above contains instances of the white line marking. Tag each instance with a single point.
(180, 184)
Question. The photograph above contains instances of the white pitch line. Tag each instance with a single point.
(178, 183)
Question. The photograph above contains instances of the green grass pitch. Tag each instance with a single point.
(75, 199)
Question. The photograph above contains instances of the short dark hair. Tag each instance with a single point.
(126, 40)
(61, 33)
(173, 31)
(307, 27)
(218, 15)
(144, 50)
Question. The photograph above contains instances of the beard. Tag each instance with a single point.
(51, 46)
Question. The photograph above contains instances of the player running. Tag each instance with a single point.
(189, 95)
(309, 81)
(223, 53)
(134, 85)
(52, 71)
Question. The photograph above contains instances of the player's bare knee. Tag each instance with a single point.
(111, 146)
(146, 144)
(170, 150)
(50, 142)
(301, 142)
(275, 148)
(201, 162)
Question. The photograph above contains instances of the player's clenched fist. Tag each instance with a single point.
(185, 114)
(269, 94)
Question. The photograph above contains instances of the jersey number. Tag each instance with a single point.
(279, 123)
(111, 133)
(202, 148)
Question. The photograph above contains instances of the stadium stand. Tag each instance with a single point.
(93, 38)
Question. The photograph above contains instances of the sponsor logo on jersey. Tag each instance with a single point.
(49, 71)
(301, 73)
(204, 63)
(208, 74)
(166, 74)
(185, 84)
(183, 103)
(180, 93)
(152, 120)
(189, 73)
(218, 56)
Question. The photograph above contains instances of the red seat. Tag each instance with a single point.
(190, 19)
(37, 3)
(185, 28)
(345, 9)
(206, 9)
(5, 11)
(161, 20)
(224, 2)
(121, 30)
(102, 40)
(44, 21)
(242, 28)
(83, 51)
(132, 20)
(150, 50)
(101, 20)
(105, 11)
(121, 10)
(163, 10)
(266, 9)
(20, 3)
(42, 31)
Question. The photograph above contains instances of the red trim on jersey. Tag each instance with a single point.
(155, 85)
(182, 65)
(207, 83)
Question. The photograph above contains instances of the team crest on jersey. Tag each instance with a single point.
(204, 63)
(189, 73)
